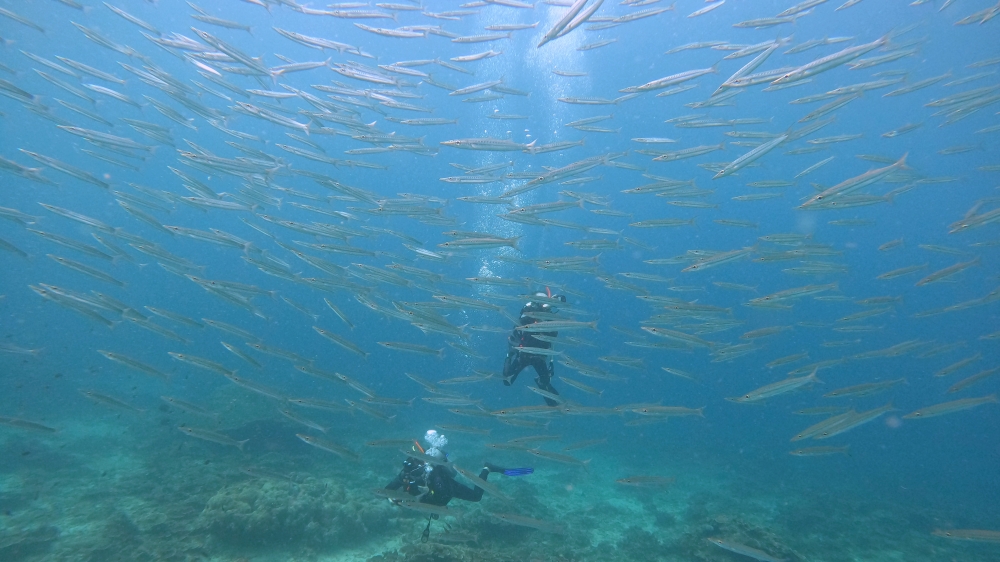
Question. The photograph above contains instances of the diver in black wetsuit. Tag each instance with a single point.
(435, 484)
(517, 360)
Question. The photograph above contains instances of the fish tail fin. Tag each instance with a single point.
(240, 444)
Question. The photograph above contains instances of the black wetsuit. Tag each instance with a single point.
(440, 483)
(516, 360)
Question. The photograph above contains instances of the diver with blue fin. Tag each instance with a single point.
(520, 345)
(428, 476)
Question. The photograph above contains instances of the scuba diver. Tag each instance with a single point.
(520, 343)
(434, 483)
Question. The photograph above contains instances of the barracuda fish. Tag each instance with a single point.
(855, 183)
(863, 389)
(241, 354)
(74, 244)
(489, 144)
(319, 404)
(749, 157)
(67, 169)
(134, 364)
(951, 407)
(201, 362)
(20, 19)
(213, 436)
(557, 325)
(86, 270)
(668, 411)
(480, 243)
(821, 451)
(672, 80)
(829, 62)
(851, 421)
(342, 342)
(413, 348)
(110, 401)
(777, 388)
(233, 52)
(652, 482)
(719, 259)
(744, 550)
(969, 381)
(189, 407)
(219, 325)
(947, 272)
(563, 25)
(19, 423)
(330, 447)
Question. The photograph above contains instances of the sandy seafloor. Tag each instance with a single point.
(115, 490)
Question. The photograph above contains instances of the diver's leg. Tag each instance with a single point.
(545, 370)
(462, 492)
(512, 366)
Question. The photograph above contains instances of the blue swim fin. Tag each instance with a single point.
(517, 471)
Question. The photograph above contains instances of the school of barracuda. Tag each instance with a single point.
(231, 176)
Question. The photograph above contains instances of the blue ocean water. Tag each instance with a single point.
(107, 475)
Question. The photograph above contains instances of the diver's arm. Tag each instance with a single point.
(398, 482)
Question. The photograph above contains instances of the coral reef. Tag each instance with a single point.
(267, 512)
